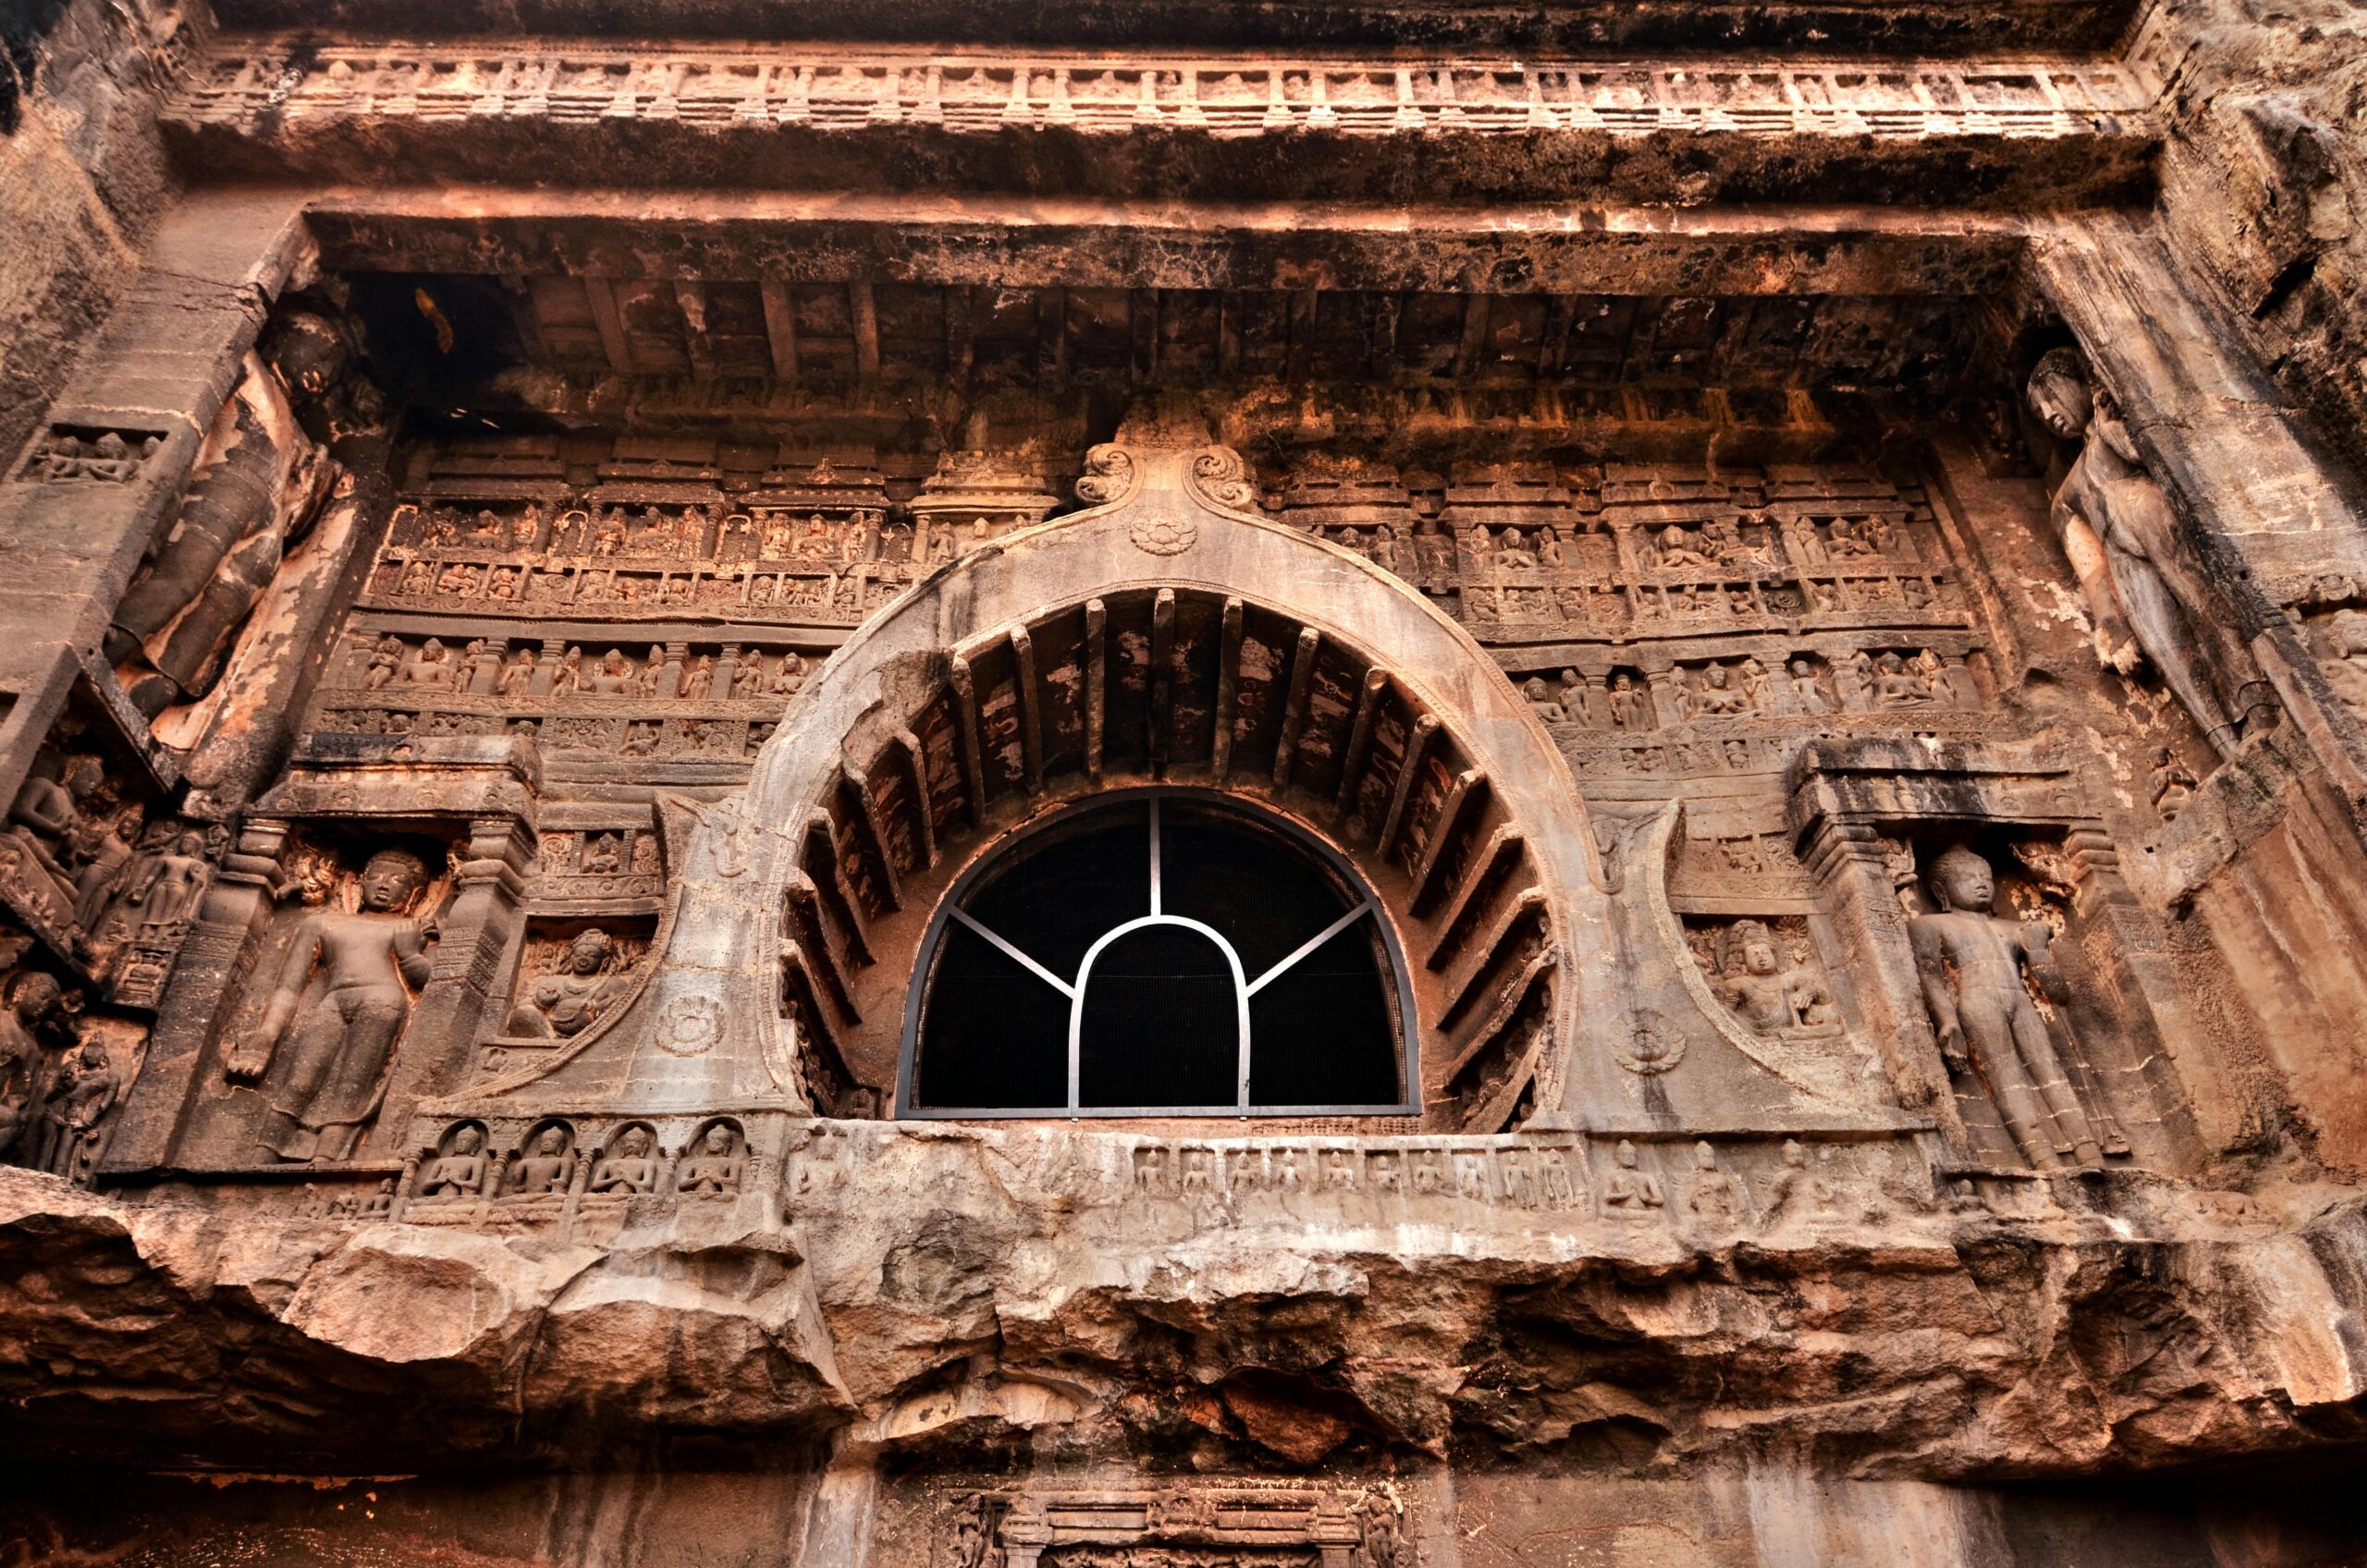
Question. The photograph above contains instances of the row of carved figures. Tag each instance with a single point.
(552, 1162)
(1543, 1177)
(694, 533)
(1861, 681)
(492, 667)
(865, 585)
(1610, 610)
(1754, 544)
(710, 740)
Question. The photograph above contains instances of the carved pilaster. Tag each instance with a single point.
(2130, 952)
(212, 960)
(1851, 861)
(474, 933)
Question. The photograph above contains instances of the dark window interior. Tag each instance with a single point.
(1158, 1024)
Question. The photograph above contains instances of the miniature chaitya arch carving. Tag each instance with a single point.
(1021, 728)
(1299, 1001)
(1133, 646)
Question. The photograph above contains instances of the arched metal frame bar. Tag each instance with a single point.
(1365, 903)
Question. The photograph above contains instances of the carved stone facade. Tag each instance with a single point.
(1348, 786)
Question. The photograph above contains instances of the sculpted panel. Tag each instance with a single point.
(564, 988)
(69, 456)
(92, 864)
(65, 1066)
(519, 533)
(335, 1006)
(253, 492)
(675, 701)
(2145, 587)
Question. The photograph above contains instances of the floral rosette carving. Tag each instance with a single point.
(689, 1025)
(1651, 1048)
(1164, 535)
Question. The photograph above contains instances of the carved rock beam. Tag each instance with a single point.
(802, 906)
(697, 341)
(1400, 793)
(907, 746)
(1031, 707)
(1097, 682)
(610, 323)
(780, 329)
(829, 873)
(967, 719)
(1496, 859)
(1303, 655)
(1466, 794)
(1354, 756)
(1530, 909)
(854, 785)
(1228, 690)
(866, 314)
(804, 237)
(1162, 678)
(803, 992)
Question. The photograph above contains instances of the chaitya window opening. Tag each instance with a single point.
(1163, 953)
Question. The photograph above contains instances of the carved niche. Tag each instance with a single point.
(2000, 1007)
(2019, 992)
(84, 454)
(1186, 1524)
(333, 989)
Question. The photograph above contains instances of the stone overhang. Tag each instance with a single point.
(1878, 26)
(1995, 132)
(1030, 242)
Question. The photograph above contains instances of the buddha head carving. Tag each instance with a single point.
(1962, 880)
(2059, 393)
(390, 879)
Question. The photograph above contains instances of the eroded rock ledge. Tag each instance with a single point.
(1036, 1286)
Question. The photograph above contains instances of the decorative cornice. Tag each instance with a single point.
(244, 82)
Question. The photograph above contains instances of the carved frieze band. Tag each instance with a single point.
(1223, 98)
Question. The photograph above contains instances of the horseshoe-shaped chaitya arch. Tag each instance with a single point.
(1167, 636)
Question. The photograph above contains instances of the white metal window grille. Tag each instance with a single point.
(1173, 977)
